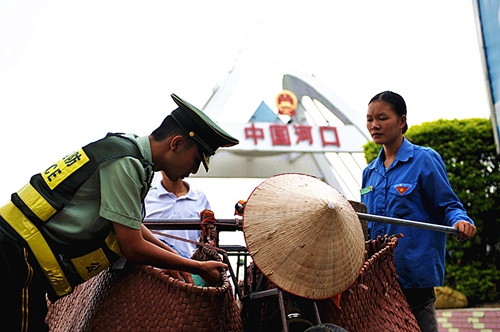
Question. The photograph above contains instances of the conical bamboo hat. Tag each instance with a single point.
(303, 235)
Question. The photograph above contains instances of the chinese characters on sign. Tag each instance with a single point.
(280, 134)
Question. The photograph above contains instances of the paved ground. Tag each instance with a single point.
(469, 320)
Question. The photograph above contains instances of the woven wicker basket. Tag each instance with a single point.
(145, 299)
(374, 302)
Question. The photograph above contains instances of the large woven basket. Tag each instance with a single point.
(374, 302)
(145, 299)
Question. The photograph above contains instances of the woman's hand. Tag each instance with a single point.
(465, 230)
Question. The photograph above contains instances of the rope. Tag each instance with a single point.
(208, 246)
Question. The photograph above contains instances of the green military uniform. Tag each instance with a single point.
(57, 231)
(64, 232)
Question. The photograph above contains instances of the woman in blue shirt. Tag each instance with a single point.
(410, 182)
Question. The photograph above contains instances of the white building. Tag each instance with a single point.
(325, 137)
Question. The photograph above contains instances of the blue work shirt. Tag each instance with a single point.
(414, 187)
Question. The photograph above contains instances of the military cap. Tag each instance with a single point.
(206, 133)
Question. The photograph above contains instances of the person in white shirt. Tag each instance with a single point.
(176, 200)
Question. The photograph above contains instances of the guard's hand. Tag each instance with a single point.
(465, 230)
(181, 275)
(211, 271)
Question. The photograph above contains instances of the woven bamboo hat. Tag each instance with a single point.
(304, 235)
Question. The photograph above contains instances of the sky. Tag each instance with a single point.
(71, 71)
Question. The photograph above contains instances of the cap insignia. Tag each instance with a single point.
(206, 162)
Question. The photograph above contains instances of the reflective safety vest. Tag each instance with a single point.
(47, 193)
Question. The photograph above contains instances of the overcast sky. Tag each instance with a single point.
(71, 71)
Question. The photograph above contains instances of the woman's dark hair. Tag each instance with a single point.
(170, 128)
(395, 100)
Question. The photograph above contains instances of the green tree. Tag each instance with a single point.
(468, 151)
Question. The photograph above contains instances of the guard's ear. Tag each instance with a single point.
(176, 142)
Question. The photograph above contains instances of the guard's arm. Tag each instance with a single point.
(150, 237)
(136, 248)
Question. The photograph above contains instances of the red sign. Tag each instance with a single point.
(280, 134)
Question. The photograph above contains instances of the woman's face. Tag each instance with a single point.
(383, 123)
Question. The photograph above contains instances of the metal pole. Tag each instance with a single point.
(232, 224)
(404, 222)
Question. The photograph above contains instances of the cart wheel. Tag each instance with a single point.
(325, 328)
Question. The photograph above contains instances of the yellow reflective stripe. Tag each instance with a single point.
(112, 243)
(39, 246)
(58, 172)
(91, 264)
(36, 203)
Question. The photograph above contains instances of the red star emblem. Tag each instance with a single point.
(402, 189)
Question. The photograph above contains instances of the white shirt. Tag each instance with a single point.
(159, 203)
